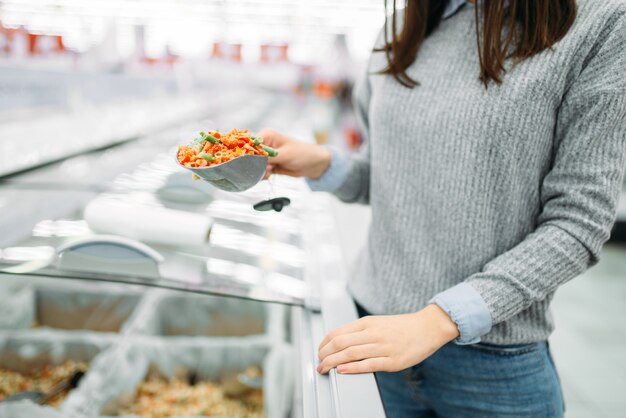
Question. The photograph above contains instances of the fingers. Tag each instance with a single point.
(349, 355)
(269, 170)
(369, 365)
(272, 138)
(282, 157)
(344, 341)
(354, 326)
(275, 140)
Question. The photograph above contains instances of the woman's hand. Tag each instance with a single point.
(386, 343)
(295, 158)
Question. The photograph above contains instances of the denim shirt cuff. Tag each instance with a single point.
(468, 310)
(334, 176)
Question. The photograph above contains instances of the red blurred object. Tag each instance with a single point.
(324, 89)
(167, 60)
(33, 43)
(353, 138)
(150, 60)
(6, 36)
(39, 44)
(274, 53)
(230, 52)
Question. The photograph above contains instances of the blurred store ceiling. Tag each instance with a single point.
(190, 26)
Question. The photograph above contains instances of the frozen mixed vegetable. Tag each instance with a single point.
(213, 148)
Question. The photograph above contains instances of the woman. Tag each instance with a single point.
(494, 158)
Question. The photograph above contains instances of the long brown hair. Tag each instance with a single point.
(530, 26)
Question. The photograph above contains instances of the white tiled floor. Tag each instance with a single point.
(589, 344)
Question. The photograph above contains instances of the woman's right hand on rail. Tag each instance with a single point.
(295, 158)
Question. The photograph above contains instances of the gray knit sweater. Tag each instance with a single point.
(511, 189)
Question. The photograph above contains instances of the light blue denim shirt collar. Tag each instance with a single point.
(453, 7)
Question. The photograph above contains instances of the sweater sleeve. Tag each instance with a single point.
(580, 192)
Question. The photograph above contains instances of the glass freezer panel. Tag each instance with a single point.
(175, 354)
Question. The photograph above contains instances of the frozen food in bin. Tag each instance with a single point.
(42, 379)
(186, 395)
(117, 382)
(39, 362)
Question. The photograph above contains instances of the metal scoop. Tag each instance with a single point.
(236, 175)
(41, 397)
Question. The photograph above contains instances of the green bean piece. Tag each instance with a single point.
(198, 141)
(270, 151)
(210, 138)
(206, 156)
(257, 140)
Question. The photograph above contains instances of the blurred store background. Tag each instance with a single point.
(95, 61)
(81, 78)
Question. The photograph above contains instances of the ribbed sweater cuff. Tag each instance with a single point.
(468, 310)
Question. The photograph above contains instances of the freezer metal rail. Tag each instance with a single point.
(338, 395)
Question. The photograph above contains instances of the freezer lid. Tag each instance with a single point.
(250, 255)
(216, 287)
(162, 219)
(123, 260)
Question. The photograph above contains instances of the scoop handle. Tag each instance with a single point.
(70, 383)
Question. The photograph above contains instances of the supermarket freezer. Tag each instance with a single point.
(263, 291)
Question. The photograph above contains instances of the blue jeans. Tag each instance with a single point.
(476, 381)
